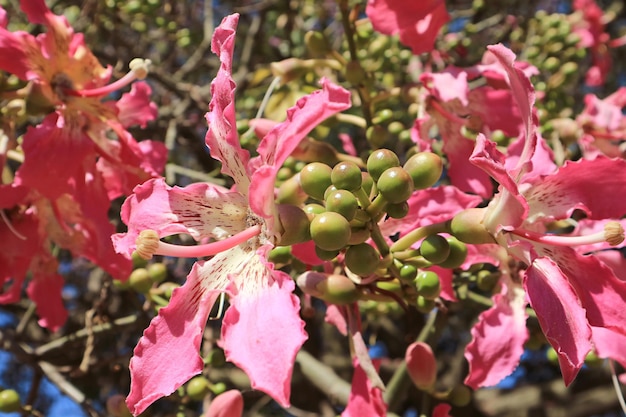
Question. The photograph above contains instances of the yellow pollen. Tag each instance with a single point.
(147, 244)
(613, 233)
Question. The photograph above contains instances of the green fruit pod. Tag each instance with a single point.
(330, 231)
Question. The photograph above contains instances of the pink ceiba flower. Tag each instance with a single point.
(576, 297)
(416, 22)
(68, 79)
(604, 125)
(262, 330)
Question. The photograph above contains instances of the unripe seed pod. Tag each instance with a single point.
(354, 73)
(140, 281)
(342, 202)
(295, 224)
(326, 255)
(467, 226)
(10, 401)
(358, 235)
(197, 388)
(398, 210)
(346, 176)
(362, 259)
(315, 179)
(316, 43)
(138, 261)
(330, 231)
(460, 396)
(280, 255)
(157, 272)
(486, 280)
(408, 273)
(381, 160)
(428, 284)
(435, 249)
(313, 209)
(424, 305)
(425, 169)
(395, 184)
(458, 253)
(377, 135)
(367, 182)
(291, 192)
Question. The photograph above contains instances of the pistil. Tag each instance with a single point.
(613, 234)
(138, 71)
(148, 245)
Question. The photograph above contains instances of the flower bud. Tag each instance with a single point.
(333, 288)
(10, 401)
(421, 365)
(380, 161)
(140, 281)
(342, 202)
(197, 388)
(346, 176)
(330, 231)
(227, 404)
(157, 272)
(362, 259)
(315, 179)
(395, 184)
(467, 226)
(316, 43)
(294, 223)
(435, 249)
(425, 169)
(428, 284)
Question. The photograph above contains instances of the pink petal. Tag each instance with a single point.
(609, 344)
(227, 404)
(335, 315)
(155, 371)
(576, 185)
(221, 137)
(442, 410)
(53, 154)
(491, 356)
(600, 292)
(200, 209)
(364, 400)
(560, 315)
(429, 206)
(417, 22)
(264, 315)
(305, 252)
(44, 289)
(614, 260)
(524, 96)
(135, 107)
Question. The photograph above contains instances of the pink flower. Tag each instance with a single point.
(604, 125)
(365, 399)
(575, 296)
(68, 78)
(417, 22)
(262, 330)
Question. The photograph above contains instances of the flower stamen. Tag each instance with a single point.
(613, 234)
(138, 71)
(148, 245)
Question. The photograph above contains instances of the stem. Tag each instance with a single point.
(400, 380)
(421, 232)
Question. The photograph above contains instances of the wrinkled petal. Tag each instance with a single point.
(222, 138)
(200, 209)
(560, 315)
(364, 400)
(227, 404)
(491, 356)
(135, 107)
(281, 141)
(614, 260)
(178, 328)
(576, 186)
(609, 344)
(264, 315)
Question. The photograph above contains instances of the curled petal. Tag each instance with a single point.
(365, 399)
(178, 329)
(227, 404)
(560, 315)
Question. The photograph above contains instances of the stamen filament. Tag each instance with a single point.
(612, 234)
(148, 245)
(138, 70)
